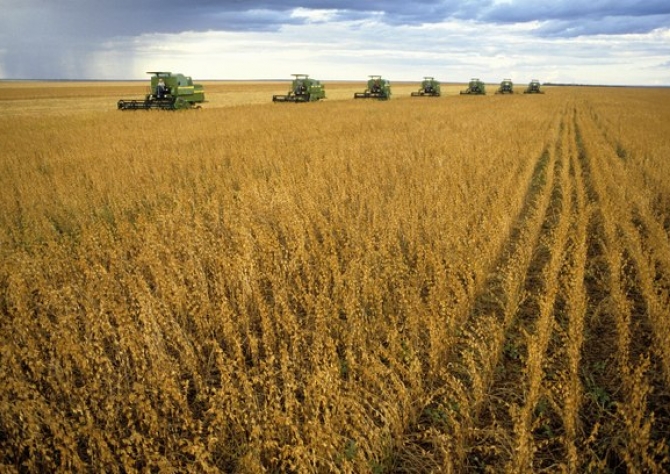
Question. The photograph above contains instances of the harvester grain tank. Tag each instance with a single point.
(303, 89)
(506, 87)
(429, 88)
(533, 87)
(475, 87)
(377, 88)
(167, 92)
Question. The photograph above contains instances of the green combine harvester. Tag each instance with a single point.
(533, 87)
(168, 92)
(429, 88)
(303, 89)
(378, 88)
(506, 87)
(475, 87)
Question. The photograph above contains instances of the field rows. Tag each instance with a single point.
(566, 380)
(466, 284)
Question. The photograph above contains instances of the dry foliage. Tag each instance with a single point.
(461, 284)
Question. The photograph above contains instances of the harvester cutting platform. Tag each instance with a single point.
(475, 87)
(378, 88)
(429, 88)
(303, 89)
(168, 92)
(533, 87)
(506, 87)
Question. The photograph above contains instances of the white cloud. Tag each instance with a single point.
(451, 51)
(314, 16)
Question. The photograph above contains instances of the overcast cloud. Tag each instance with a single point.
(599, 41)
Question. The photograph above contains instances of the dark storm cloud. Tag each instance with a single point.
(571, 19)
(520, 11)
(421, 11)
(565, 17)
(103, 18)
(109, 18)
(623, 25)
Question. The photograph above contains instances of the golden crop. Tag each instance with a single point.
(454, 284)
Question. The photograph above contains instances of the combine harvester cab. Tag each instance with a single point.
(303, 89)
(168, 92)
(506, 87)
(475, 87)
(533, 87)
(378, 88)
(429, 88)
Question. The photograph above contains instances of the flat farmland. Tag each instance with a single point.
(44, 97)
(453, 284)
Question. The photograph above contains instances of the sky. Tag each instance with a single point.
(587, 42)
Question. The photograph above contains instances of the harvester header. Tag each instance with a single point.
(533, 87)
(303, 89)
(168, 91)
(377, 88)
(506, 87)
(475, 87)
(429, 88)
